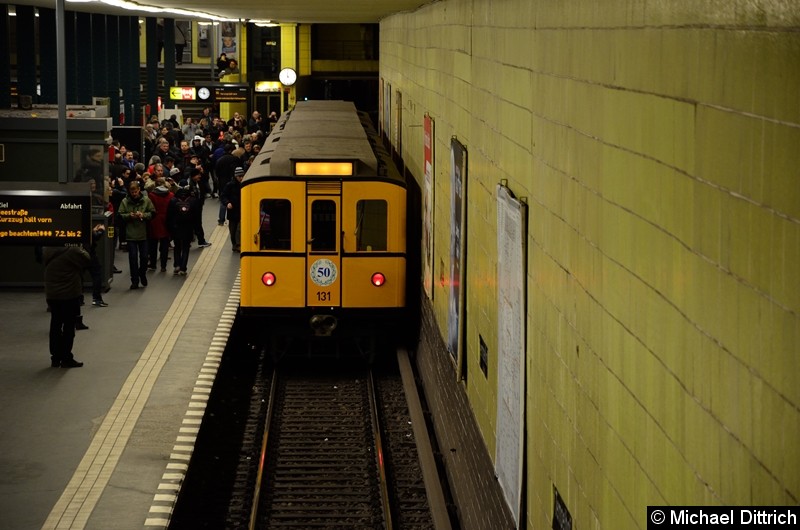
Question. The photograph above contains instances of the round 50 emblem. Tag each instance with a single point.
(323, 272)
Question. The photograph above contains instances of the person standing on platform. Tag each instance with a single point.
(202, 153)
(159, 235)
(198, 190)
(164, 148)
(182, 215)
(248, 151)
(119, 190)
(224, 168)
(96, 272)
(150, 135)
(186, 154)
(254, 123)
(136, 210)
(63, 287)
(180, 44)
(96, 269)
(160, 38)
(232, 199)
(189, 129)
(210, 145)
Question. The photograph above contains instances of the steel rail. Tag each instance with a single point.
(376, 432)
(262, 457)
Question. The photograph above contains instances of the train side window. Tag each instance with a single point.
(323, 225)
(371, 220)
(275, 232)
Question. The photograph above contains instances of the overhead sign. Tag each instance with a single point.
(232, 93)
(268, 86)
(43, 213)
(182, 93)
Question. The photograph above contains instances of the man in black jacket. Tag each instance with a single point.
(231, 197)
(198, 189)
(224, 169)
(63, 286)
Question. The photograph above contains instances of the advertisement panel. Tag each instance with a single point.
(511, 314)
(458, 243)
(427, 212)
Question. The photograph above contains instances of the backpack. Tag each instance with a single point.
(184, 209)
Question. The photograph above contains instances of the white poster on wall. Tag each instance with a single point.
(511, 293)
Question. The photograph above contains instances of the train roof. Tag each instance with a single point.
(321, 131)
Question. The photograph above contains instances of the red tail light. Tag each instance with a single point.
(268, 279)
(378, 279)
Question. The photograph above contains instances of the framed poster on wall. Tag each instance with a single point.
(458, 244)
(381, 126)
(511, 336)
(229, 39)
(387, 114)
(204, 40)
(427, 207)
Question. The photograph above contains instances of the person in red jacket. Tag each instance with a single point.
(158, 234)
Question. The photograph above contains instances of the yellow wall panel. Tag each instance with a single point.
(779, 175)
(657, 146)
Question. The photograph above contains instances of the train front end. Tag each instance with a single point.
(323, 251)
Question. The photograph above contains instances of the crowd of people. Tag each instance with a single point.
(156, 198)
(205, 156)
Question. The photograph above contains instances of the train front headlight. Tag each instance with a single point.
(378, 279)
(268, 279)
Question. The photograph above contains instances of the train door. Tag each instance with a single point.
(323, 250)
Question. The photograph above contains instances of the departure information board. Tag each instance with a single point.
(46, 214)
(231, 93)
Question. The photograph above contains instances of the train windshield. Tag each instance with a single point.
(275, 224)
(371, 225)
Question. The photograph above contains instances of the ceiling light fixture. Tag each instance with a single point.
(133, 6)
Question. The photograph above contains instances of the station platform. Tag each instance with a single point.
(106, 446)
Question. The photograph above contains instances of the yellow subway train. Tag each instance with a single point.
(323, 235)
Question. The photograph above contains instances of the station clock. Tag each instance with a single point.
(287, 76)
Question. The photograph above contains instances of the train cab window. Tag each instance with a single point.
(323, 226)
(275, 232)
(371, 220)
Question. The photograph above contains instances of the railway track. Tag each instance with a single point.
(322, 456)
(332, 449)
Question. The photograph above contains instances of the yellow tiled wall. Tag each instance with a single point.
(658, 145)
(297, 43)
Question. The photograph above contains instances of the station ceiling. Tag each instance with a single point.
(281, 11)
